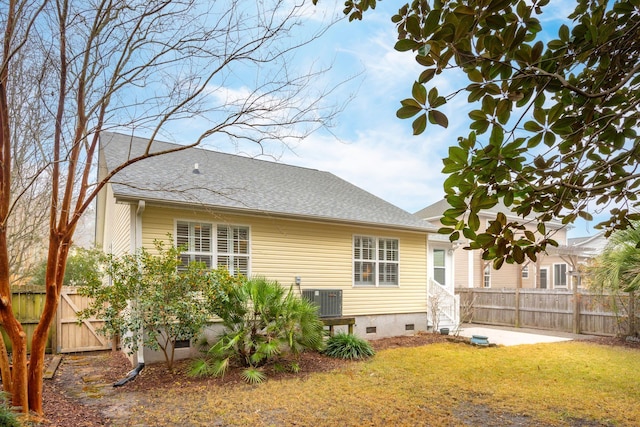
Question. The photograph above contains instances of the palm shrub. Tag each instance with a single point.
(348, 346)
(263, 322)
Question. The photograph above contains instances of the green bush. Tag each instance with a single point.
(8, 418)
(152, 298)
(348, 346)
(263, 321)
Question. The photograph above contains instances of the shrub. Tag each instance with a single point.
(151, 298)
(8, 418)
(348, 346)
(263, 321)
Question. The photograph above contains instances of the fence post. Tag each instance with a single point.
(576, 306)
(517, 315)
(632, 313)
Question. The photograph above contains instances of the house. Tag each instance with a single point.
(553, 270)
(302, 227)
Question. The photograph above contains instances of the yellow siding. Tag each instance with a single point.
(116, 236)
(122, 230)
(320, 254)
(461, 268)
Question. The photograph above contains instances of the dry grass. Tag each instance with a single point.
(440, 384)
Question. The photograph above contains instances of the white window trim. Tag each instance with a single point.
(376, 262)
(232, 255)
(525, 272)
(214, 240)
(440, 267)
(566, 278)
(486, 274)
(193, 253)
(546, 270)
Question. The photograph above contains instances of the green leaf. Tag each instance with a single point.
(518, 254)
(585, 215)
(536, 51)
(413, 26)
(405, 45)
(549, 138)
(474, 221)
(534, 141)
(420, 124)
(563, 33)
(475, 76)
(445, 230)
(457, 154)
(497, 135)
(496, 22)
(410, 102)
(542, 229)
(433, 95)
(427, 75)
(464, 10)
(477, 115)
(532, 126)
(436, 117)
(407, 112)
(433, 20)
(419, 93)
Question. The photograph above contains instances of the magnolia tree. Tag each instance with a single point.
(554, 124)
(139, 65)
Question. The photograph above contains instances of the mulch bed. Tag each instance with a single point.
(63, 410)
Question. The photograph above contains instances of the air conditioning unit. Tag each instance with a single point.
(329, 301)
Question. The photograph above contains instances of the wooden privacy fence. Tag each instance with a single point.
(553, 309)
(65, 334)
(28, 302)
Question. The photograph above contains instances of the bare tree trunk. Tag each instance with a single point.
(4, 367)
(55, 273)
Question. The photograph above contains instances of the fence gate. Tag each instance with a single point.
(72, 336)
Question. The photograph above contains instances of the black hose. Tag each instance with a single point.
(130, 376)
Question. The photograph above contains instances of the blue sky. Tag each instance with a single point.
(369, 146)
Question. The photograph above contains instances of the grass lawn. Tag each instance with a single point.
(572, 383)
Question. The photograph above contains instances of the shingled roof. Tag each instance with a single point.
(243, 184)
(436, 210)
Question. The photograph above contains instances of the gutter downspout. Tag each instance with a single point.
(138, 231)
(137, 238)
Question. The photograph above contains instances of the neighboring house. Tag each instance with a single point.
(554, 270)
(302, 227)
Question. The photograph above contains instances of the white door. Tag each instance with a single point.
(439, 263)
(440, 266)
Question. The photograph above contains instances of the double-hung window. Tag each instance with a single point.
(233, 249)
(559, 275)
(196, 240)
(375, 261)
(228, 247)
(486, 277)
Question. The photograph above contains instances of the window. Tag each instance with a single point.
(525, 272)
(231, 244)
(195, 237)
(543, 278)
(559, 275)
(233, 249)
(375, 261)
(439, 270)
(486, 279)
